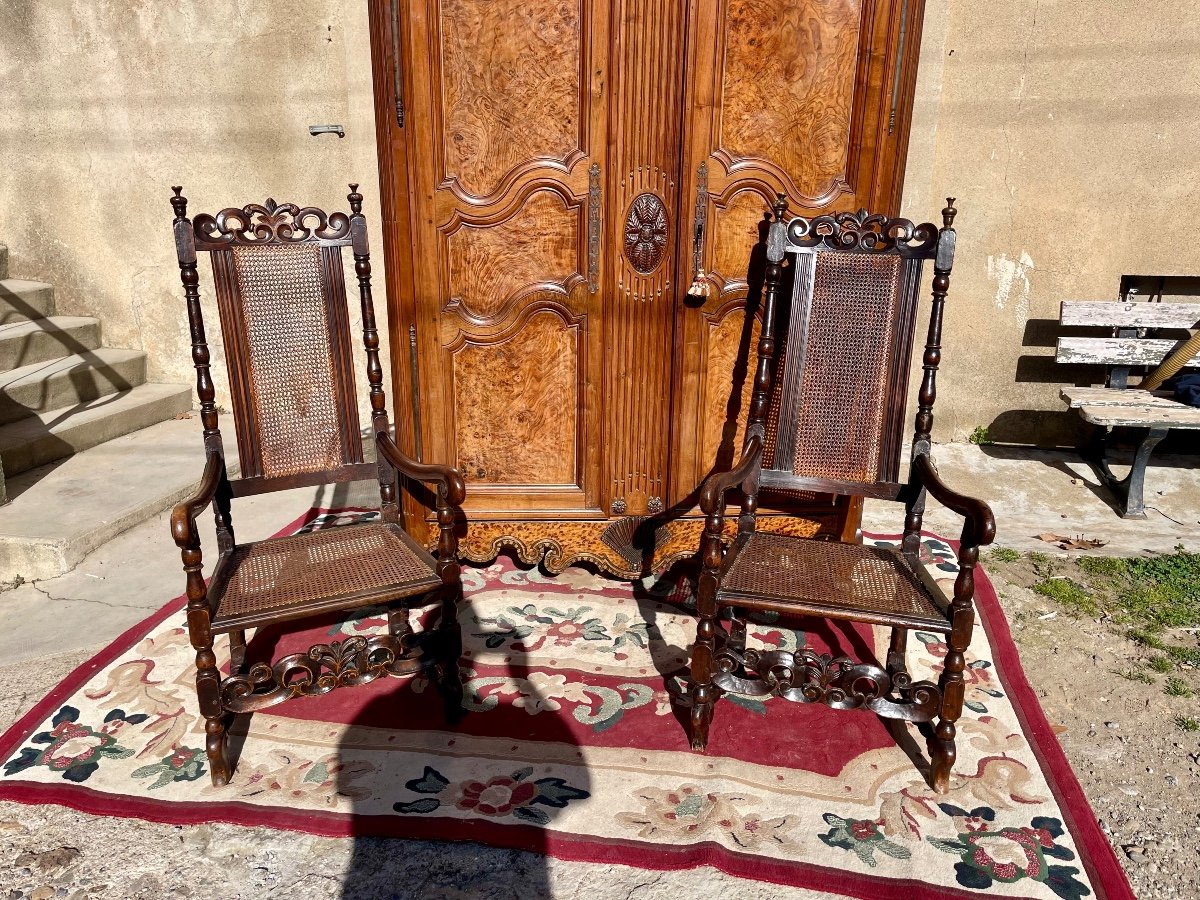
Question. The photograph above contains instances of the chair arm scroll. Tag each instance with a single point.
(712, 492)
(183, 516)
(451, 486)
(980, 524)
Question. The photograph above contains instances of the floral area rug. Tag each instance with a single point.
(573, 745)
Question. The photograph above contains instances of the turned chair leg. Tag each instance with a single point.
(704, 692)
(896, 652)
(398, 623)
(737, 633)
(208, 691)
(942, 749)
(237, 651)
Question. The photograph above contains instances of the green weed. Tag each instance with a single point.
(1103, 565)
(1069, 594)
(980, 436)
(1188, 656)
(1005, 555)
(1161, 664)
(1135, 675)
(1188, 723)
(1146, 637)
(1177, 687)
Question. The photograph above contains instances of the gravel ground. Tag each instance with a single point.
(1140, 771)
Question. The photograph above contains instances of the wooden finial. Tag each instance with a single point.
(355, 199)
(949, 213)
(179, 203)
(780, 206)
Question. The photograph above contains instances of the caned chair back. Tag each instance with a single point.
(836, 418)
(285, 326)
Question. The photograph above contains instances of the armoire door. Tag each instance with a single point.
(811, 98)
(505, 131)
(552, 171)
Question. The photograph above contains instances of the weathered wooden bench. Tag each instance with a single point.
(1132, 344)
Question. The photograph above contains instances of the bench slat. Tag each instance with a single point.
(1132, 407)
(1117, 351)
(1130, 315)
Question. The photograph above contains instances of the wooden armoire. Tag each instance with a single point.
(554, 176)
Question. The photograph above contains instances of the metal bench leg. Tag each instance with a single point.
(1131, 486)
(1129, 491)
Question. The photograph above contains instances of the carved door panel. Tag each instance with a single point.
(506, 134)
(798, 96)
(640, 285)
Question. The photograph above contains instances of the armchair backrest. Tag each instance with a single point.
(834, 422)
(285, 326)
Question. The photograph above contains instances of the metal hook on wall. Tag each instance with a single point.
(314, 130)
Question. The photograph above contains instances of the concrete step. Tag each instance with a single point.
(25, 343)
(21, 300)
(69, 381)
(46, 437)
(61, 512)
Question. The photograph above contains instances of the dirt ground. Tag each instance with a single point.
(1138, 767)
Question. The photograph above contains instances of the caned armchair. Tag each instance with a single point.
(831, 420)
(285, 326)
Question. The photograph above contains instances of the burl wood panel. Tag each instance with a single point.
(735, 231)
(515, 402)
(728, 383)
(789, 85)
(493, 266)
(511, 86)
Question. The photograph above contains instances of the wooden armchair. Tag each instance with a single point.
(282, 300)
(831, 421)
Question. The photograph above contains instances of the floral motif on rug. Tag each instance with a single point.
(574, 743)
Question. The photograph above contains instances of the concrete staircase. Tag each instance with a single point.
(61, 393)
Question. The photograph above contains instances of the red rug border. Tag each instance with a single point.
(1103, 868)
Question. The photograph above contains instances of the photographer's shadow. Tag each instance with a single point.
(446, 807)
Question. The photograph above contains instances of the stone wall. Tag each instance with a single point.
(1067, 130)
(105, 104)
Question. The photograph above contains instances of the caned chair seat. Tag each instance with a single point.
(831, 580)
(319, 571)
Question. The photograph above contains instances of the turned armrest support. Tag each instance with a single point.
(452, 488)
(183, 516)
(712, 493)
(980, 525)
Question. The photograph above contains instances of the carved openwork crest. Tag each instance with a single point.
(646, 233)
(271, 223)
(863, 232)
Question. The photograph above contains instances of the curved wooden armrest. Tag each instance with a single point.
(712, 493)
(981, 525)
(455, 489)
(183, 516)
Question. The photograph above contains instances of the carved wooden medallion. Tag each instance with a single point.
(646, 233)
